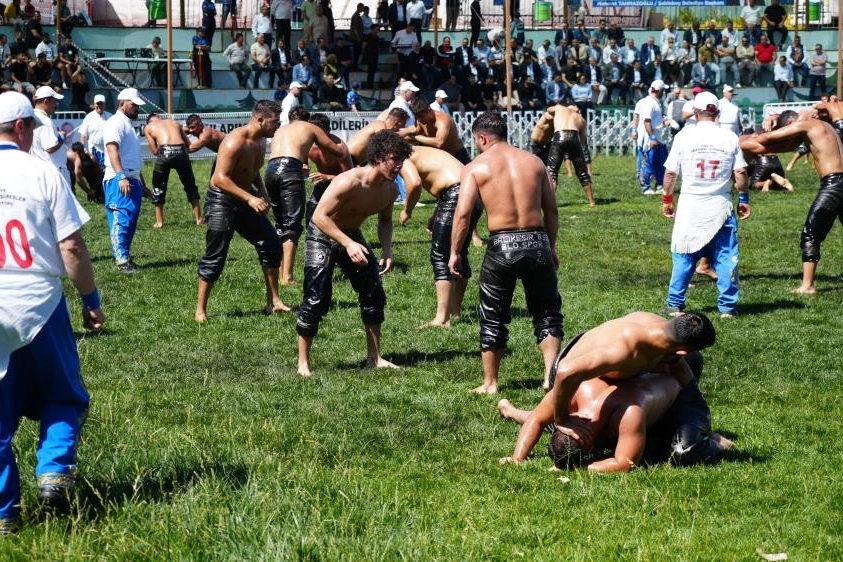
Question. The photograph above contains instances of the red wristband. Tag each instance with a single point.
(667, 199)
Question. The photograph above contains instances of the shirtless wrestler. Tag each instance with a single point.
(232, 205)
(285, 173)
(650, 414)
(439, 173)
(206, 137)
(393, 120)
(169, 144)
(569, 138)
(334, 238)
(825, 146)
(523, 222)
(639, 342)
(436, 129)
(86, 171)
(327, 167)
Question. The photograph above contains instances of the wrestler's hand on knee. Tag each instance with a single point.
(386, 265)
(357, 253)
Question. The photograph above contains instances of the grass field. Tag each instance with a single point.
(203, 443)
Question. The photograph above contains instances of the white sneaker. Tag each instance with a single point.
(648, 191)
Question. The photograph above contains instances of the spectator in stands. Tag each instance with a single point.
(209, 20)
(280, 92)
(671, 66)
(201, 56)
(570, 72)
(668, 32)
(516, 29)
(782, 78)
(693, 35)
(753, 33)
(727, 62)
(595, 50)
(397, 16)
(775, 16)
(369, 53)
(319, 55)
(229, 7)
(445, 55)
(68, 61)
(611, 49)
(42, 71)
(653, 70)
(300, 50)
(13, 14)
(796, 58)
(330, 97)
(19, 44)
(649, 51)
(237, 57)
(48, 48)
(688, 58)
(330, 66)
(601, 34)
(557, 91)
(329, 15)
(5, 58)
(581, 94)
(402, 45)
(816, 75)
(531, 69)
(765, 58)
(416, 12)
(68, 19)
(282, 13)
(262, 25)
(462, 55)
(745, 54)
(79, 90)
(282, 61)
(20, 71)
(730, 33)
(356, 32)
(549, 70)
(28, 10)
(531, 93)
(481, 53)
(452, 12)
(707, 50)
(496, 63)
(303, 74)
(616, 33)
(454, 92)
(157, 70)
(703, 75)
(629, 53)
(613, 73)
(545, 50)
(439, 104)
(578, 51)
(636, 81)
(430, 72)
(261, 58)
(712, 32)
(594, 78)
(308, 8)
(476, 20)
(751, 14)
(320, 24)
(472, 95)
(352, 98)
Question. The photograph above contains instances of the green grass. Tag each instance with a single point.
(203, 444)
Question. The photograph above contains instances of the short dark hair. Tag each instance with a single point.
(694, 330)
(77, 147)
(151, 117)
(298, 113)
(321, 120)
(564, 450)
(385, 144)
(192, 119)
(491, 122)
(786, 118)
(265, 108)
(398, 114)
(419, 105)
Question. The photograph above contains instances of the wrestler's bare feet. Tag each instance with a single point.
(766, 186)
(200, 317)
(505, 408)
(707, 271)
(200, 221)
(288, 282)
(304, 370)
(722, 441)
(435, 324)
(485, 389)
(803, 290)
(380, 363)
(276, 307)
(787, 185)
(158, 225)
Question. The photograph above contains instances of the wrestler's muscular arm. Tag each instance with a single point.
(632, 433)
(531, 430)
(149, 133)
(413, 186)
(337, 149)
(385, 235)
(469, 192)
(438, 141)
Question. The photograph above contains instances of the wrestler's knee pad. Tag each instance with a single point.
(159, 193)
(372, 304)
(269, 251)
(692, 446)
(810, 245)
(493, 336)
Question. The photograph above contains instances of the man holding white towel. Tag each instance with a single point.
(709, 159)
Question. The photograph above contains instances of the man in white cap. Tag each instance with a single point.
(90, 132)
(290, 101)
(439, 103)
(39, 363)
(647, 120)
(710, 159)
(406, 92)
(48, 141)
(123, 183)
(730, 113)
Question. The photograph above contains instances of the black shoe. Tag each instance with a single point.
(128, 268)
(55, 499)
(9, 525)
(672, 311)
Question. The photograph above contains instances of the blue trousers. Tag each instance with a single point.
(122, 213)
(42, 383)
(652, 166)
(722, 251)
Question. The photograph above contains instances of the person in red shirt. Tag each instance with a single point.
(765, 56)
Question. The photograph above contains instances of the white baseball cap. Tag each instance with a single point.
(408, 85)
(296, 84)
(657, 85)
(441, 94)
(705, 101)
(45, 92)
(728, 88)
(99, 98)
(14, 106)
(130, 94)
